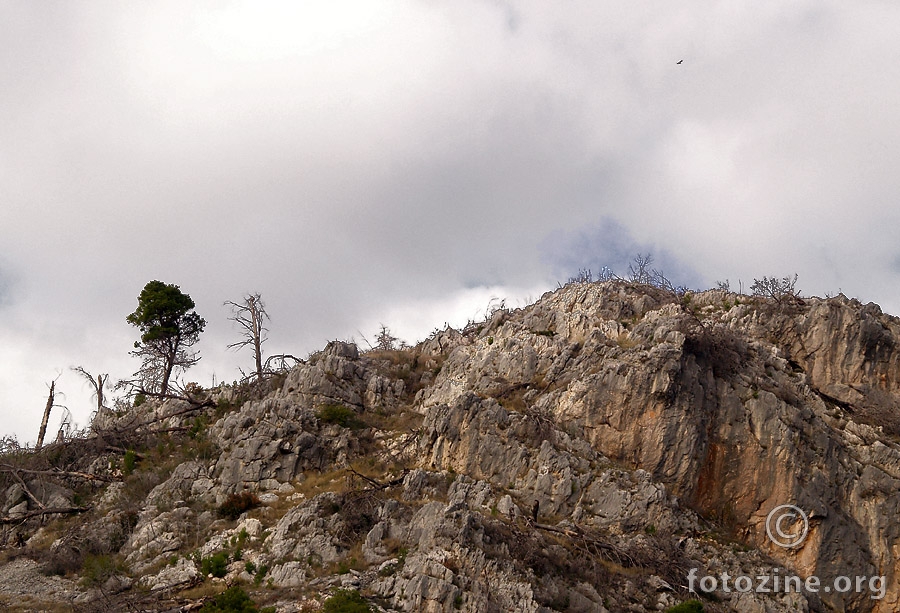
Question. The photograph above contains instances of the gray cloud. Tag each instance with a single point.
(611, 245)
(396, 161)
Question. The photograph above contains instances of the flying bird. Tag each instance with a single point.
(679, 61)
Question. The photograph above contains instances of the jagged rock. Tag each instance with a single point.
(304, 534)
(183, 573)
(289, 574)
(14, 496)
(156, 537)
(18, 511)
(117, 584)
(717, 415)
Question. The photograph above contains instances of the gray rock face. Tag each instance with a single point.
(183, 573)
(739, 411)
(272, 441)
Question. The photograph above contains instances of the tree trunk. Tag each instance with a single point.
(257, 333)
(40, 439)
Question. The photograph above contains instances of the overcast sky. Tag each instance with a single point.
(405, 162)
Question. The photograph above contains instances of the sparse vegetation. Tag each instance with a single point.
(343, 416)
(346, 601)
(232, 600)
(215, 565)
(780, 290)
(236, 504)
(128, 462)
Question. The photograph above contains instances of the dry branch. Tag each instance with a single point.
(15, 471)
(38, 513)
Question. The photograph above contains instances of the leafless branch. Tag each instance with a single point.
(40, 512)
(250, 315)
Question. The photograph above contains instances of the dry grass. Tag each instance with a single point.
(626, 341)
(29, 604)
(404, 421)
(207, 589)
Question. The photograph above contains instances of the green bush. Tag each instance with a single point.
(688, 606)
(338, 414)
(232, 600)
(97, 568)
(236, 504)
(129, 462)
(260, 574)
(216, 565)
(346, 601)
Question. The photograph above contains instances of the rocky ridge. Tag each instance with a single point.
(652, 433)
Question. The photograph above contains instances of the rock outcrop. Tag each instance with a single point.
(581, 454)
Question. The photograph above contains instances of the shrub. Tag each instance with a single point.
(232, 600)
(688, 606)
(216, 565)
(260, 574)
(97, 569)
(780, 290)
(129, 462)
(346, 601)
(236, 504)
(338, 414)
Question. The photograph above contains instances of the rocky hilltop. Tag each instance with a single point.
(584, 453)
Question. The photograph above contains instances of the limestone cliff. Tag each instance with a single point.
(580, 454)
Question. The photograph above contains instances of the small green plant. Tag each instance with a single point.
(236, 504)
(458, 601)
(198, 425)
(339, 414)
(232, 600)
(250, 567)
(215, 565)
(260, 574)
(139, 399)
(688, 606)
(650, 529)
(129, 462)
(346, 601)
(490, 340)
(97, 568)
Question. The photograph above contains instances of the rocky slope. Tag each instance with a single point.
(580, 454)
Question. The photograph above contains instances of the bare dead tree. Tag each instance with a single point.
(385, 341)
(96, 384)
(251, 315)
(51, 397)
(281, 363)
(639, 270)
